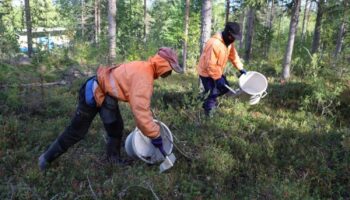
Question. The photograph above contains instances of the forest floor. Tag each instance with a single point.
(286, 147)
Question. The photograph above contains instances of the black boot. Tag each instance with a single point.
(53, 152)
(113, 151)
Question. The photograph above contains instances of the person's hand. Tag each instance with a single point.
(158, 142)
(243, 71)
(220, 83)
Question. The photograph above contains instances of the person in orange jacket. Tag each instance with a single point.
(217, 51)
(129, 82)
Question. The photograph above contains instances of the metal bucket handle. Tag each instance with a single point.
(263, 95)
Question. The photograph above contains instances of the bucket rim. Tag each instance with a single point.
(148, 141)
(240, 82)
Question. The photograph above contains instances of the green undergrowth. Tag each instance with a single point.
(294, 144)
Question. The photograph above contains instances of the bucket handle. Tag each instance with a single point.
(264, 94)
(174, 138)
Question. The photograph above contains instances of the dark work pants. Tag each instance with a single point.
(78, 128)
(209, 85)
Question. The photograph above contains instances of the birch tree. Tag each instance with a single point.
(145, 19)
(29, 27)
(186, 24)
(290, 44)
(341, 30)
(249, 34)
(112, 12)
(305, 19)
(97, 8)
(205, 23)
(82, 18)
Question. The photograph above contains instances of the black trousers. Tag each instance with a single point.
(79, 125)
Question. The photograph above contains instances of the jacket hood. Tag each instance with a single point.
(159, 65)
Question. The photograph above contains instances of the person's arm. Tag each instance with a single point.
(234, 58)
(140, 102)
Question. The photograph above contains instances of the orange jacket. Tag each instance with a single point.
(214, 58)
(133, 82)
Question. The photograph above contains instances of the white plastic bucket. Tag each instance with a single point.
(137, 145)
(254, 84)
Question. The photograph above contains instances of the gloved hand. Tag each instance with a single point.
(220, 83)
(243, 71)
(158, 142)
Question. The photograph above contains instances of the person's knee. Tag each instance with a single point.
(82, 120)
(67, 140)
(114, 129)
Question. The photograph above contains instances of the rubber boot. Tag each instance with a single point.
(113, 151)
(53, 152)
(209, 113)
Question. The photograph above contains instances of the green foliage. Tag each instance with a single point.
(254, 3)
(324, 97)
(218, 162)
(8, 26)
(167, 25)
(44, 14)
(277, 149)
(130, 30)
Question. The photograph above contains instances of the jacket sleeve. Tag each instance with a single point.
(215, 62)
(140, 103)
(234, 58)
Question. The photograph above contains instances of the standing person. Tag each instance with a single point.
(130, 82)
(218, 49)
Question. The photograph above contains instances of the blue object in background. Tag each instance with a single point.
(46, 42)
(23, 49)
(42, 41)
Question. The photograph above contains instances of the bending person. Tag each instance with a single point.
(130, 82)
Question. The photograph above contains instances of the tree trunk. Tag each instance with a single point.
(241, 22)
(306, 13)
(249, 34)
(206, 23)
(186, 23)
(112, 12)
(97, 21)
(144, 19)
(272, 15)
(29, 28)
(341, 33)
(23, 15)
(290, 45)
(82, 18)
(317, 32)
(227, 14)
(340, 39)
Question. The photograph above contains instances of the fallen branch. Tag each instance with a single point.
(36, 84)
(92, 191)
(148, 187)
(44, 84)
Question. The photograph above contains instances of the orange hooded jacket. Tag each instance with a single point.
(133, 82)
(214, 58)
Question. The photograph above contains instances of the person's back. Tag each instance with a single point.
(121, 80)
